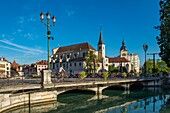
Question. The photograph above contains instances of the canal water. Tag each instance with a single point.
(150, 100)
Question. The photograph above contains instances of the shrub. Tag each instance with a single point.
(106, 75)
(82, 75)
(124, 74)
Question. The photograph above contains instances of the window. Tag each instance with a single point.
(53, 65)
(68, 56)
(70, 64)
(123, 54)
(74, 64)
(99, 47)
(75, 55)
(57, 65)
(61, 57)
(84, 54)
(64, 65)
(80, 64)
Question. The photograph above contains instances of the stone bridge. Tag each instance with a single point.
(12, 96)
(99, 86)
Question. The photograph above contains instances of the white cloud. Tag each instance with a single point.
(69, 12)
(22, 19)
(19, 30)
(35, 50)
(19, 50)
(29, 36)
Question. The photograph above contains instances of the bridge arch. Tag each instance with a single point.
(115, 87)
(136, 86)
(75, 89)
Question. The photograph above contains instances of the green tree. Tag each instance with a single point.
(91, 61)
(163, 39)
(149, 65)
(160, 66)
(113, 69)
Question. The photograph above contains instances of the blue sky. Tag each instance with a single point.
(23, 36)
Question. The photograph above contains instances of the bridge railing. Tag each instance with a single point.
(9, 82)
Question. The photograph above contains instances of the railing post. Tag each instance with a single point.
(29, 102)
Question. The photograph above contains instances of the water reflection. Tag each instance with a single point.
(111, 101)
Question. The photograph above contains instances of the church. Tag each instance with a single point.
(72, 58)
(126, 62)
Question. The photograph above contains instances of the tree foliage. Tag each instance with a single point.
(160, 66)
(163, 39)
(113, 69)
(91, 61)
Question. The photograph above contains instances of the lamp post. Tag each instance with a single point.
(145, 47)
(48, 25)
(94, 65)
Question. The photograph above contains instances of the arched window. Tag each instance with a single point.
(124, 54)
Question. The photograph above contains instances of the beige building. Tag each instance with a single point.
(132, 58)
(4, 68)
(40, 66)
(121, 63)
(73, 57)
(35, 69)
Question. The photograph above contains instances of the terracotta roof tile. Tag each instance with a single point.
(75, 47)
(117, 60)
(42, 62)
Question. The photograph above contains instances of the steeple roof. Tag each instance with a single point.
(101, 41)
(123, 47)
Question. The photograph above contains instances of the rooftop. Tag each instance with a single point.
(117, 60)
(75, 47)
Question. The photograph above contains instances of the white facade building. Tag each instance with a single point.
(4, 68)
(73, 57)
(40, 66)
(133, 58)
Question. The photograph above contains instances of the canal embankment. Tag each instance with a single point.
(9, 101)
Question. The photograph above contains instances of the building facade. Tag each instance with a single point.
(16, 69)
(35, 69)
(132, 58)
(5, 68)
(40, 66)
(72, 58)
(121, 63)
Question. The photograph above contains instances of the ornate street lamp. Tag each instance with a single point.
(145, 47)
(46, 76)
(48, 25)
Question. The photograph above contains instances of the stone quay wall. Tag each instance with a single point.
(9, 101)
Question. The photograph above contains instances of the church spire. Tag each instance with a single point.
(101, 41)
(123, 47)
